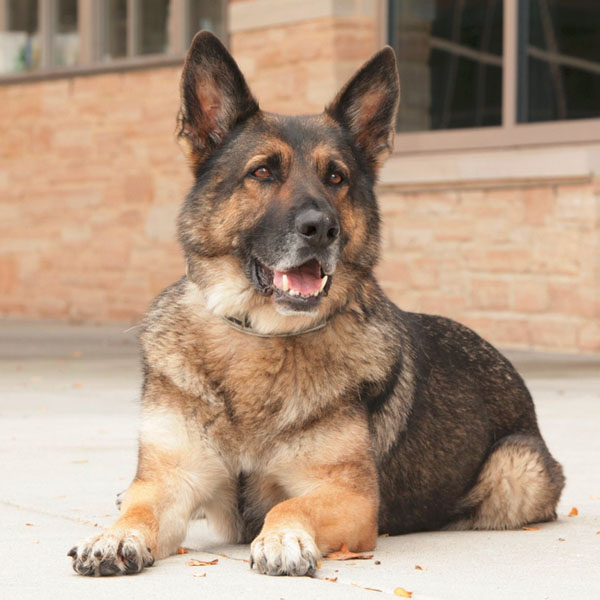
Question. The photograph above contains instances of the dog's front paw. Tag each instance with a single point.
(285, 552)
(111, 553)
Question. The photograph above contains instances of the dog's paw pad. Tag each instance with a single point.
(285, 552)
(111, 553)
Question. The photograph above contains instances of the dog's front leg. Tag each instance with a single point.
(177, 472)
(298, 531)
(340, 507)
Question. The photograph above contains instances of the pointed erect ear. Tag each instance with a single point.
(367, 106)
(214, 98)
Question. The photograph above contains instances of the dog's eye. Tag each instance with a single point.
(335, 178)
(261, 173)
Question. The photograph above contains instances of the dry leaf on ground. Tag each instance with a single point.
(530, 528)
(574, 512)
(199, 575)
(344, 554)
(182, 550)
(202, 563)
(400, 591)
(419, 568)
(362, 587)
(332, 579)
(238, 559)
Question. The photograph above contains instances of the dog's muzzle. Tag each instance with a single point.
(299, 288)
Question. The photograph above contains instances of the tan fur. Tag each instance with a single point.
(140, 517)
(325, 515)
(513, 489)
(191, 470)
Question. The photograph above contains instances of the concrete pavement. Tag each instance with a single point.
(68, 425)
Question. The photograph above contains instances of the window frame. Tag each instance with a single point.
(510, 132)
(90, 23)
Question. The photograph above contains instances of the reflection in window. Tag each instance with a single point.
(114, 30)
(20, 39)
(206, 14)
(153, 20)
(66, 34)
(559, 66)
(450, 62)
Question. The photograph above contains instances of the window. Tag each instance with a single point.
(518, 68)
(450, 62)
(19, 37)
(66, 34)
(113, 24)
(205, 15)
(53, 35)
(153, 36)
(559, 60)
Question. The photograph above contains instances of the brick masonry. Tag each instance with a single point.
(519, 265)
(91, 181)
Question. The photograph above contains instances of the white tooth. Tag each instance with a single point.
(286, 286)
(293, 293)
(323, 283)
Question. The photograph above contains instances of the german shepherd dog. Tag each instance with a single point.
(285, 397)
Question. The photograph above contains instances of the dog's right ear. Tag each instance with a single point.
(214, 98)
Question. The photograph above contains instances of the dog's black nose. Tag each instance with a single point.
(319, 228)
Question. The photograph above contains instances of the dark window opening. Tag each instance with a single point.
(450, 62)
(559, 60)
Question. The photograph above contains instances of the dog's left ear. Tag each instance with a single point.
(214, 98)
(367, 106)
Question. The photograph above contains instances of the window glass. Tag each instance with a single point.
(20, 45)
(153, 22)
(206, 14)
(66, 34)
(114, 30)
(559, 60)
(450, 62)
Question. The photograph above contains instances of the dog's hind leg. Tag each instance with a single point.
(519, 483)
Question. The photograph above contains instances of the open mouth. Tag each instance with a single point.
(300, 287)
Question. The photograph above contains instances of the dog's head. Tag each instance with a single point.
(282, 224)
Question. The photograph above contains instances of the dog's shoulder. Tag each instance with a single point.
(171, 336)
(166, 314)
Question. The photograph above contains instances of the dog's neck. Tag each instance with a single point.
(245, 327)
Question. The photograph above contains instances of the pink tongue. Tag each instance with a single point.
(305, 279)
